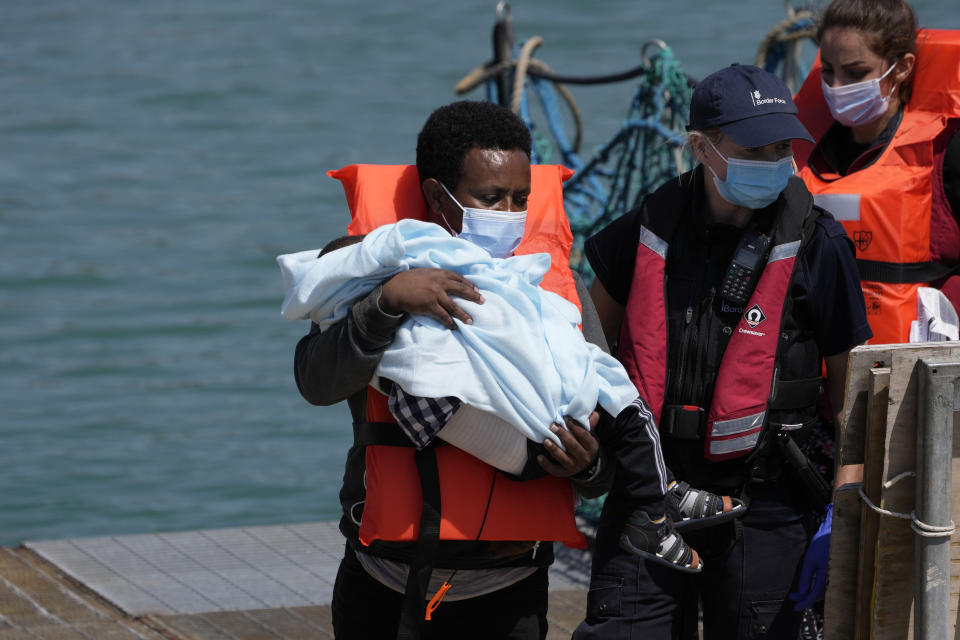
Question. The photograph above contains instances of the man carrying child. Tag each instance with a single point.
(474, 172)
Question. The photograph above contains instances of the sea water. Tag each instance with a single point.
(155, 157)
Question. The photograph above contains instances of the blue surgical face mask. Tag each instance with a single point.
(499, 232)
(753, 183)
(857, 103)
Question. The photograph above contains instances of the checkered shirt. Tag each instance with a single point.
(421, 418)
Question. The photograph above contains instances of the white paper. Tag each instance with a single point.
(937, 320)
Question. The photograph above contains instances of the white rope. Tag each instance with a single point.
(894, 480)
(928, 530)
(919, 527)
(883, 512)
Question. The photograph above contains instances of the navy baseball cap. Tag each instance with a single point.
(751, 106)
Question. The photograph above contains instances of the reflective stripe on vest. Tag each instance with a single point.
(540, 509)
(870, 203)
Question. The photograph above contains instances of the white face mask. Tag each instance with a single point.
(499, 232)
(857, 103)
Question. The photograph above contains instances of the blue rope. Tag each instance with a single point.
(548, 100)
(777, 53)
(636, 160)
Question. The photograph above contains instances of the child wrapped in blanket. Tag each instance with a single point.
(520, 364)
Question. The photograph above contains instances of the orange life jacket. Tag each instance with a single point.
(540, 509)
(886, 206)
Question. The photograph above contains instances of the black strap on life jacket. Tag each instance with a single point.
(795, 394)
(904, 272)
(413, 608)
(388, 434)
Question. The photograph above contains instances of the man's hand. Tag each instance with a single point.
(429, 292)
(581, 446)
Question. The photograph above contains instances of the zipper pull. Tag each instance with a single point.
(536, 547)
(689, 314)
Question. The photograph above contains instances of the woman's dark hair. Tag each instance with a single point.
(451, 131)
(889, 28)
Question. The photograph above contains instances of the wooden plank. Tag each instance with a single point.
(874, 443)
(893, 581)
(37, 601)
(188, 627)
(565, 611)
(840, 604)
(853, 418)
(892, 591)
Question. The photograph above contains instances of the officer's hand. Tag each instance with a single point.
(813, 573)
(581, 447)
(429, 292)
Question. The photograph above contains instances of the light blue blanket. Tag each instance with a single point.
(523, 358)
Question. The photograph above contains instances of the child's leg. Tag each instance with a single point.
(634, 441)
(651, 486)
(659, 499)
(648, 531)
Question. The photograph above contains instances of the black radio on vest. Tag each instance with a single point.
(745, 267)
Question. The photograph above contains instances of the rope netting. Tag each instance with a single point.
(647, 150)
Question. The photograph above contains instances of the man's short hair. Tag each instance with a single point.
(452, 130)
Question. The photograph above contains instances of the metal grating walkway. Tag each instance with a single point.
(205, 571)
(228, 584)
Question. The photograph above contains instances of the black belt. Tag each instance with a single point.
(904, 272)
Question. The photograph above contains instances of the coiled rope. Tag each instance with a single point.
(779, 51)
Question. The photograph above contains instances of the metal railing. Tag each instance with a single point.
(936, 407)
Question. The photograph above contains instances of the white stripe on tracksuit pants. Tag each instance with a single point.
(635, 442)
